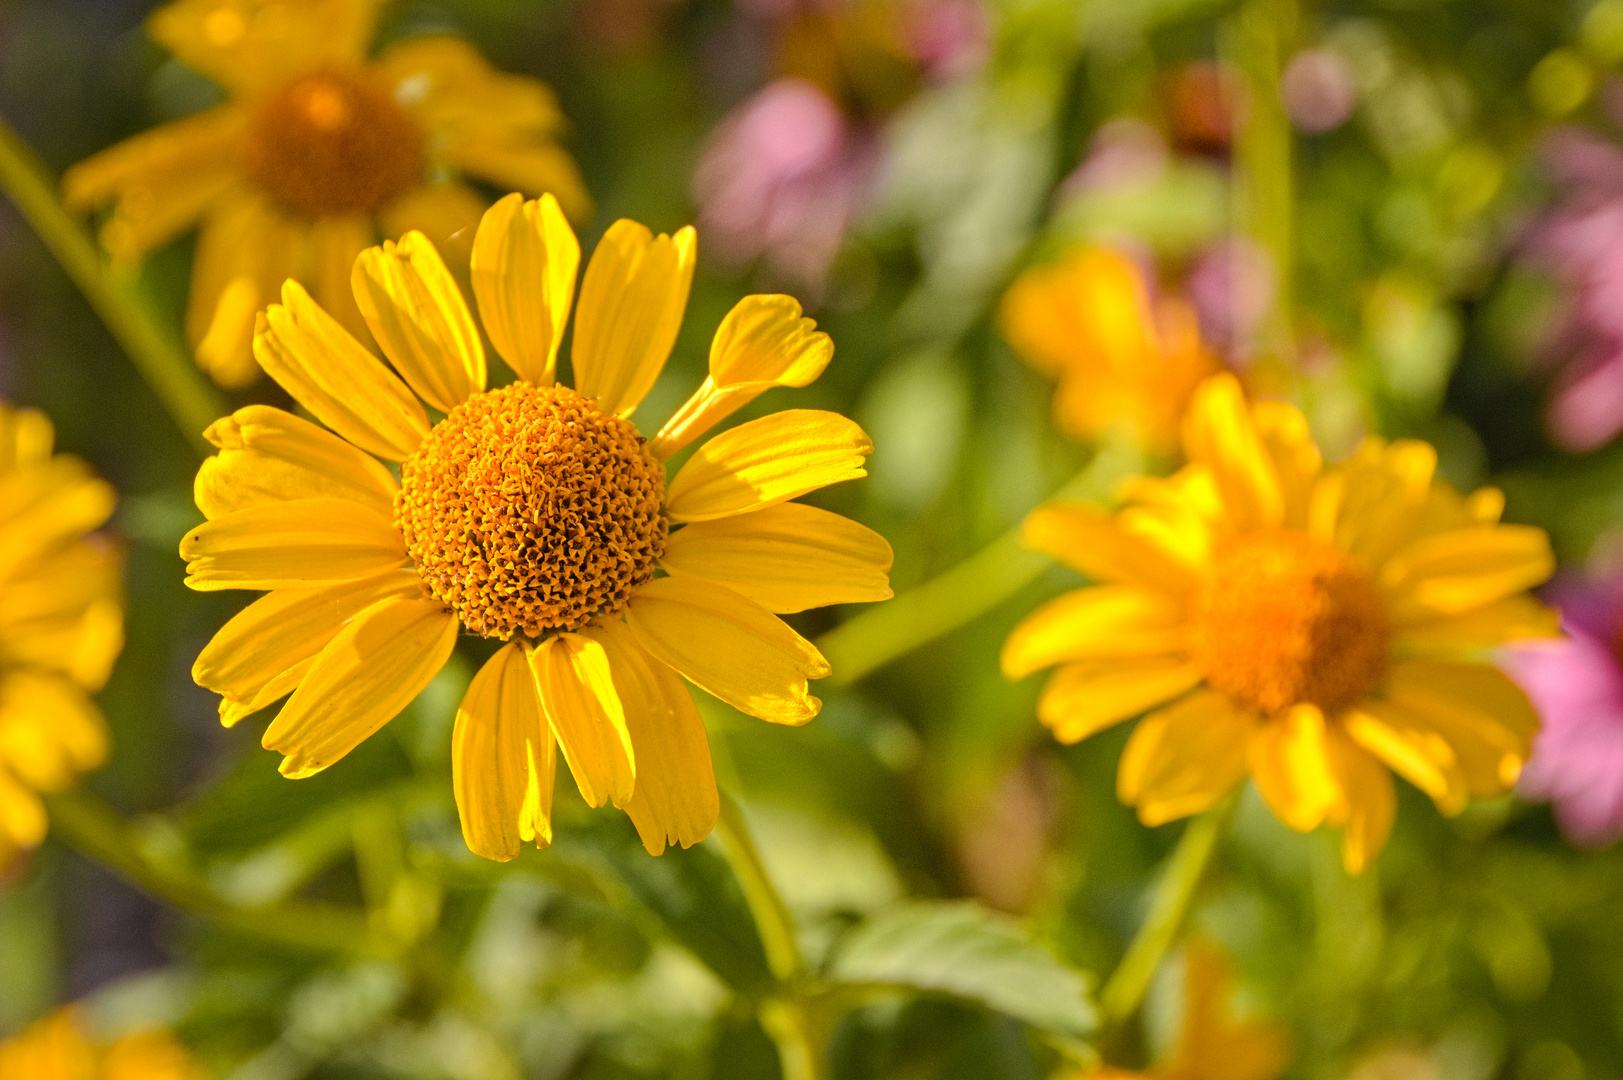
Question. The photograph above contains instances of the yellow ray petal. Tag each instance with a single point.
(64, 614)
(328, 372)
(1220, 434)
(22, 815)
(762, 343)
(365, 675)
(246, 44)
(502, 759)
(1284, 434)
(267, 455)
(631, 305)
(1415, 752)
(525, 257)
(335, 243)
(291, 545)
(586, 716)
(26, 437)
(1476, 708)
(1092, 540)
(1370, 505)
(766, 461)
(675, 801)
(728, 646)
(1183, 758)
(246, 249)
(1289, 759)
(50, 730)
(418, 316)
(1082, 699)
(537, 167)
(446, 212)
(45, 506)
(1515, 618)
(788, 557)
(1455, 571)
(1371, 804)
(1106, 621)
(255, 651)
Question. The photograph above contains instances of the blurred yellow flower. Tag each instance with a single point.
(61, 625)
(1212, 1045)
(1120, 362)
(315, 149)
(1313, 628)
(56, 1048)
(533, 514)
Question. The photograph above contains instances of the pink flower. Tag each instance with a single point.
(1576, 684)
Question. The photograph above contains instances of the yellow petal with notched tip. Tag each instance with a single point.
(50, 730)
(1220, 434)
(631, 305)
(416, 312)
(1183, 758)
(675, 801)
(1455, 571)
(1106, 621)
(789, 557)
(1415, 752)
(584, 711)
(728, 646)
(1082, 699)
(762, 343)
(268, 455)
(291, 545)
(48, 505)
(502, 759)
(328, 372)
(1370, 805)
(767, 461)
(285, 629)
(1285, 437)
(360, 681)
(525, 257)
(1092, 540)
(1484, 717)
(1289, 758)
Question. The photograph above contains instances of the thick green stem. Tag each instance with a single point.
(1174, 897)
(996, 572)
(92, 828)
(165, 366)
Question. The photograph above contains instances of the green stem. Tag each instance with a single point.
(96, 831)
(1174, 897)
(165, 366)
(1005, 566)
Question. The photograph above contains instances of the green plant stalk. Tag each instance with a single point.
(96, 831)
(1174, 898)
(161, 361)
(941, 605)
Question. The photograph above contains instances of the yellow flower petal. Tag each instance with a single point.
(762, 343)
(64, 615)
(245, 44)
(290, 545)
(246, 249)
(1083, 699)
(1370, 505)
(1183, 758)
(1456, 571)
(1371, 805)
(1515, 618)
(1220, 434)
(586, 716)
(766, 461)
(631, 306)
(1289, 759)
(263, 652)
(502, 759)
(43, 507)
(50, 730)
(525, 257)
(365, 675)
(1476, 708)
(675, 800)
(335, 243)
(1415, 752)
(26, 437)
(267, 455)
(328, 372)
(1284, 434)
(1095, 542)
(22, 815)
(446, 212)
(1106, 621)
(728, 646)
(418, 316)
(788, 557)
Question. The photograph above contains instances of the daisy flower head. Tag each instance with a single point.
(1312, 628)
(1122, 358)
(315, 149)
(61, 625)
(59, 1048)
(533, 514)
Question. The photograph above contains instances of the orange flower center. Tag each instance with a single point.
(1285, 619)
(527, 510)
(334, 142)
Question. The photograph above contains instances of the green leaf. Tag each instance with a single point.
(964, 951)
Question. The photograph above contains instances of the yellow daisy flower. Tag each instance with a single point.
(534, 514)
(57, 1048)
(1212, 1044)
(314, 150)
(1313, 628)
(1120, 361)
(61, 625)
